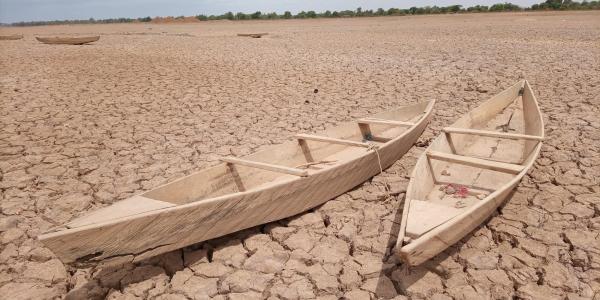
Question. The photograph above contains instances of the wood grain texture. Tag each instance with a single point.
(475, 162)
(221, 199)
(265, 166)
(426, 215)
(430, 180)
(488, 133)
(384, 122)
(325, 139)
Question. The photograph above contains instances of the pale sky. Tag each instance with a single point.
(43, 10)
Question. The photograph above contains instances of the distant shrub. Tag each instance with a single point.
(272, 15)
(256, 15)
(359, 12)
(505, 7)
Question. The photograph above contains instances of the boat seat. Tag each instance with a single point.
(128, 207)
(505, 135)
(326, 139)
(265, 166)
(373, 121)
(476, 162)
(425, 215)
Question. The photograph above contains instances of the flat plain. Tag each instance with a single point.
(85, 126)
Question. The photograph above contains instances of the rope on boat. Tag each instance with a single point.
(375, 148)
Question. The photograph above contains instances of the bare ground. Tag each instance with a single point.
(85, 126)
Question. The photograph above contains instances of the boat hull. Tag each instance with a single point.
(68, 40)
(13, 37)
(148, 234)
(428, 176)
(434, 242)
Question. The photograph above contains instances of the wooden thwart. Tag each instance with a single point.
(326, 139)
(385, 122)
(476, 162)
(512, 136)
(265, 166)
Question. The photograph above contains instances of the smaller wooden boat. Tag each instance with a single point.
(468, 171)
(68, 40)
(253, 35)
(11, 37)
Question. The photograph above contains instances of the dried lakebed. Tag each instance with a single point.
(84, 126)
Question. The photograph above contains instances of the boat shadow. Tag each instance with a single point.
(406, 276)
(163, 267)
(402, 275)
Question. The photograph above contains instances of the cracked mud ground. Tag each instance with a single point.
(85, 126)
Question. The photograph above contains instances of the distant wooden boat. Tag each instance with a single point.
(68, 40)
(11, 37)
(468, 171)
(253, 35)
(273, 184)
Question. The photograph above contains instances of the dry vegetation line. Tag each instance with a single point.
(77, 136)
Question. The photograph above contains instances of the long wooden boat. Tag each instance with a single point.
(276, 183)
(468, 171)
(11, 37)
(253, 35)
(68, 40)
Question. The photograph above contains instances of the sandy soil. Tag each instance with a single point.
(85, 126)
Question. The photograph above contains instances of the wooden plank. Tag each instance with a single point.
(490, 108)
(534, 125)
(265, 166)
(439, 238)
(384, 122)
(425, 215)
(505, 135)
(331, 140)
(128, 207)
(476, 162)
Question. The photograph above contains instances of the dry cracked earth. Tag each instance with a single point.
(85, 126)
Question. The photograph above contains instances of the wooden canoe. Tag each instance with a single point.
(242, 192)
(253, 35)
(68, 40)
(11, 37)
(468, 171)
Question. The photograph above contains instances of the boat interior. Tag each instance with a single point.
(301, 157)
(477, 155)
